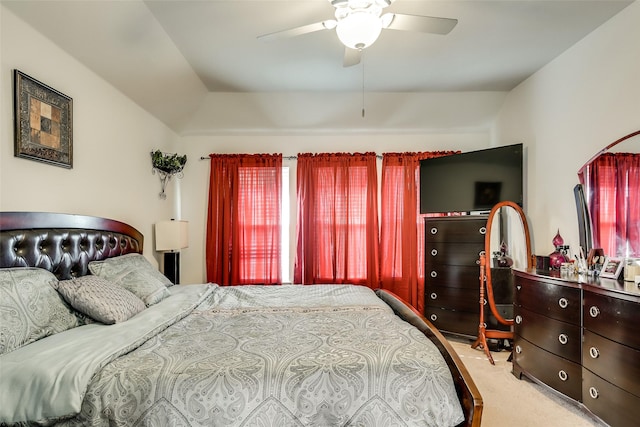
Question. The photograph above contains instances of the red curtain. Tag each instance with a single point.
(402, 227)
(337, 228)
(243, 223)
(612, 181)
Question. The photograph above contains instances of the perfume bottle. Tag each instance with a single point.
(559, 256)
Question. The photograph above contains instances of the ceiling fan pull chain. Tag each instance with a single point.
(362, 84)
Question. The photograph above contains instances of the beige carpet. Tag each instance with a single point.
(509, 402)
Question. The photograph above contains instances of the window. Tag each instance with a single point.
(285, 219)
(243, 242)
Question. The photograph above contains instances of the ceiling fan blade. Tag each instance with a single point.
(298, 31)
(351, 57)
(423, 24)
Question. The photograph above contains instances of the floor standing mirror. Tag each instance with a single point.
(507, 234)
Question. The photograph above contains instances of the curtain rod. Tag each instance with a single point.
(605, 149)
(378, 156)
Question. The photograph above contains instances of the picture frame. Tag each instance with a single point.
(612, 267)
(43, 122)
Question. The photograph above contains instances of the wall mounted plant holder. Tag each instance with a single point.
(167, 165)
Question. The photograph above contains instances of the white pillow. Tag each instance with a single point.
(134, 273)
(30, 308)
(100, 299)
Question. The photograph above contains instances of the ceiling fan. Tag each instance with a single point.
(358, 24)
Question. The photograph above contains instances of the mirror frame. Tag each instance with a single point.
(485, 281)
(585, 223)
(487, 250)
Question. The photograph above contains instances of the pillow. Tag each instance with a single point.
(100, 299)
(30, 308)
(134, 273)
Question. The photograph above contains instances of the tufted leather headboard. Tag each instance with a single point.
(63, 243)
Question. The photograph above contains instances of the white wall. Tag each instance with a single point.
(568, 111)
(112, 139)
(586, 98)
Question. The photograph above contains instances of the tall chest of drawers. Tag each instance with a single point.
(580, 336)
(452, 250)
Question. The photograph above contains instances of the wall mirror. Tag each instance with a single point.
(608, 199)
(507, 236)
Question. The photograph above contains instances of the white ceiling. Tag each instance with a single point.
(171, 55)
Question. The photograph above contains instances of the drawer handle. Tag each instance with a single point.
(593, 392)
(433, 295)
(563, 302)
(434, 230)
(518, 319)
(594, 352)
(433, 317)
(434, 252)
(483, 230)
(563, 375)
(594, 311)
(518, 349)
(563, 338)
(434, 274)
(518, 287)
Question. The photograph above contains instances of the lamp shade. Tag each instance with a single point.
(359, 29)
(172, 235)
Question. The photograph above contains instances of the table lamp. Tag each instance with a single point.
(171, 236)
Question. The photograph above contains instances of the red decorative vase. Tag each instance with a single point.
(560, 254)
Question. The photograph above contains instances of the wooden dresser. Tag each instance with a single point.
(547, 341)
(452, 250)
(580, 337)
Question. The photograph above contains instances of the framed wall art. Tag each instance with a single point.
(43, 122)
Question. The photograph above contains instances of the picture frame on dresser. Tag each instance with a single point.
(612, 268)
(43, 122)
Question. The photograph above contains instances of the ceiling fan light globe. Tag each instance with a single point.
(359, 29)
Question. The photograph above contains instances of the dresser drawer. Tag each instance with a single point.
(560, 338)
(616, 407)
(555, 301)
(462, 299)
(457, 276)
(457, 322)
(555, 371)
(502, 284)
(439, 253)
(614, 362)
(455, 229)
(602, 311)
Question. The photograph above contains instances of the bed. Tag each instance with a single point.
(115, 344)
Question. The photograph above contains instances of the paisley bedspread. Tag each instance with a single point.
(303, 356)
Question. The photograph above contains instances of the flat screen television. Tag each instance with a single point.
(471, 182)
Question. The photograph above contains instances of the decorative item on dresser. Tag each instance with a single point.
(453, 246)
(578, 335)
